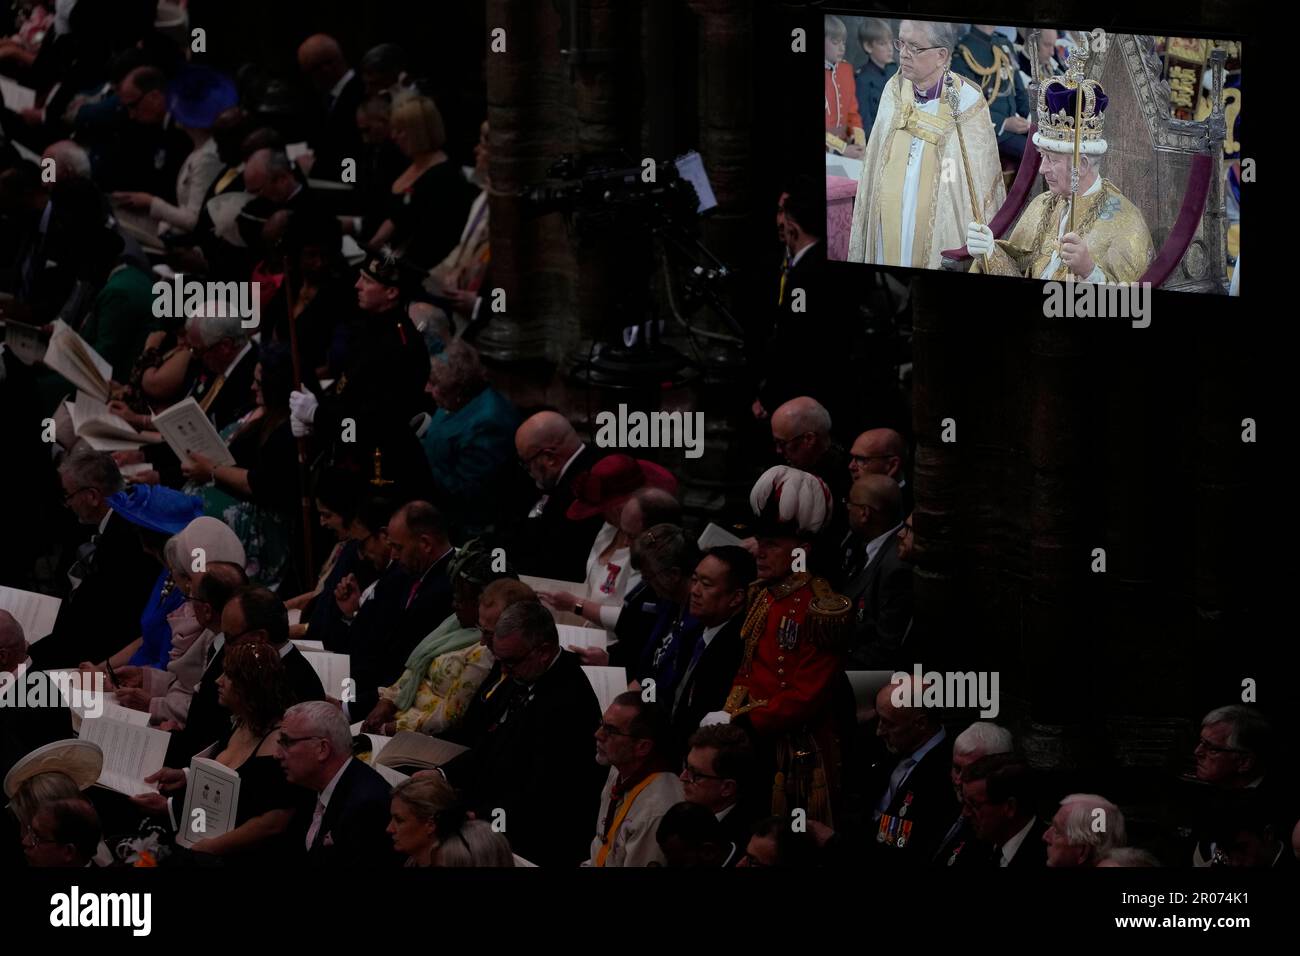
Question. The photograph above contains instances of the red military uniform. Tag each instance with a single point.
(842, 116)
(794, 646)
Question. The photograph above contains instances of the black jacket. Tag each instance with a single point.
(930, 804)
(707, 686)
(552, 545)
(23, 729)
(336, 136)
(536, 762)
(385, 630)
(353, 830)
(881, 595)
(102, 615)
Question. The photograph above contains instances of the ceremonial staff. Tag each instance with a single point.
(1074, 80)
(954, 99)
(290, 299)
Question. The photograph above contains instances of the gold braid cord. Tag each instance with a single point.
(999, 58)
(828, 617)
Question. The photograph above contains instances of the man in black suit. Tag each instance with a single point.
(718, 598)
(999, 794)
(342, 90)
(545, 542)
(803, 352)
(960, 846)
(914, 803)
(112, 577)
(719, 773)
(876, 580)
(417, 539)
(150, 147)
(534, 762)
(23, 729)
(349, 827)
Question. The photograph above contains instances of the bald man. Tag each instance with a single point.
(912, 800)
(878, 582)
(543, 540)
(801, 435)
(23, 729)
(881, 451)
(335, 134)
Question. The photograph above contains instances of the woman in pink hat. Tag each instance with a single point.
(605, 490)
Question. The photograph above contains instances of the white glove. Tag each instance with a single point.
(299, 429)
(979, 239)
(716, 717)
(302, 406)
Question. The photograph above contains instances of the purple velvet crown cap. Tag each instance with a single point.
(1061, 97)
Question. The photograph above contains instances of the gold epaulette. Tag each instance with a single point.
(828, 623)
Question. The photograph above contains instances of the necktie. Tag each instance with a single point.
(410, 598)
(315, 823)
(85, 562)
(895, 782)
(690, 669)
(785, 275)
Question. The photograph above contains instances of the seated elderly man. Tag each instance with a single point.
(543, 540)
(1231, 755)
(63, 833)
(349, 828)
(981, 739)
(999, 791)
(533, 761)
(634, 740)
(1084, 830)
(112, 576)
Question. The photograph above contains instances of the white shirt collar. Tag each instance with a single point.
(103, 522)
(337, 89)
(1011, 846)
(285, 648)
(878, 542)
(709, 634)
(334, 782)
(572, 458)
(800, 254)
(237, 359)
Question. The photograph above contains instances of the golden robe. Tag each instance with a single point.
(942, 199)
(1114, 229)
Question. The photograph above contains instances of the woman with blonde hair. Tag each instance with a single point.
(421, 807)
(431, 198)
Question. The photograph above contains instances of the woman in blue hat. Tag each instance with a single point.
(158, 513)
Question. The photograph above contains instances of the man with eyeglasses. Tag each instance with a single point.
(64, 833)
(717, 774)
(877, 581)
(1230, 756)
(931, 163)
(533, 760)
(543, 540)
(150, 148)
(881, 451)
(349, 827)
(801, 435)
(988, 59)
(633, 740)
(111, 577)
(1109, 241)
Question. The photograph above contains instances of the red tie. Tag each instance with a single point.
(411, 597)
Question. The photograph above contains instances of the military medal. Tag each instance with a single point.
(787, 633)
(907, 802)
(906, 834)
(957, 849)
